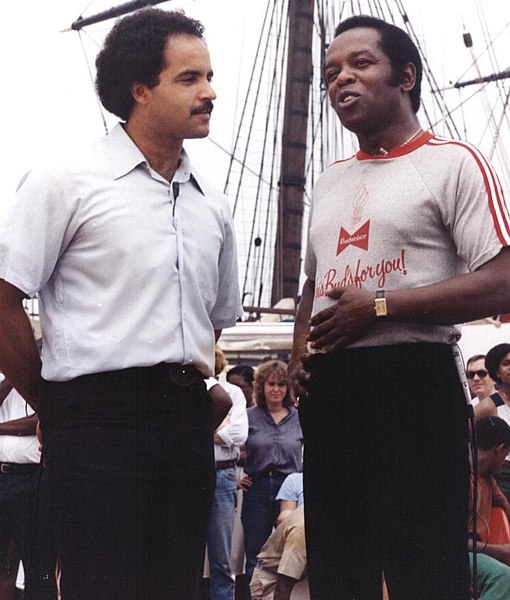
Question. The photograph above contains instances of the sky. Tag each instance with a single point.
(48, 103)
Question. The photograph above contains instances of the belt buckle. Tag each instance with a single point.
(4, 468)
(183, 375)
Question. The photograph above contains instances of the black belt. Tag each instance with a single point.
(269, 473)
(225, 464)
(182, 374)
(18, 468)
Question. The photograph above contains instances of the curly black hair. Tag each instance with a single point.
(134, 51)
(494, 358)
(397, 46)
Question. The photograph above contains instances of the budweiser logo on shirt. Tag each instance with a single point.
(359, 238)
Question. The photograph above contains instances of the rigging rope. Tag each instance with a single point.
(92, 79)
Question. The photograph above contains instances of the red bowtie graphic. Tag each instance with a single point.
(358, 238)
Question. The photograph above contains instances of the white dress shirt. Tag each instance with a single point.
(21, 449)
(234, 429)
(130, 269)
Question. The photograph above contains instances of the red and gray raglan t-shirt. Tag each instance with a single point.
(423, 213)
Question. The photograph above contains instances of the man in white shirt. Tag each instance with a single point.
(132, 255)
(228, 438)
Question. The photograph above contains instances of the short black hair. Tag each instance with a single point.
(494, 358)
(247, 372)
(492, 432)
(134, 51)
(398, 47)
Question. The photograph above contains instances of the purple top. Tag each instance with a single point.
(273, 446)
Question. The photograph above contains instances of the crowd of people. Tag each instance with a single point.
(132, 256)
(259, 480)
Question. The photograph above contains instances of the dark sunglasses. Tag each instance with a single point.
(481, 373)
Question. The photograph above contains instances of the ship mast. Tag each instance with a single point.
(287, 265)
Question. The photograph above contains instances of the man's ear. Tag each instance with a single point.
(140, 92)
(408, 77)
(501, 449)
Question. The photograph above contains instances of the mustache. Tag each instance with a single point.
(205, 107)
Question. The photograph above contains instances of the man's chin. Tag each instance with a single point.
(195, 135)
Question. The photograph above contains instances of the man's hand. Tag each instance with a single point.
(245, 483)
(345, 321)
(297, 379)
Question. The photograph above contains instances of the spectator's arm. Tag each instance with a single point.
(221, 404)
(22, 426)
(286, 507)
(500, 552)
(5, 390)
(235, 430)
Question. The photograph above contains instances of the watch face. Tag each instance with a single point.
(380, 307)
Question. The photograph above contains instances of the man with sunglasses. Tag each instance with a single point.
(480, 384)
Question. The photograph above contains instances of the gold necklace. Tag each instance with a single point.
(384, 152)
(415, 135)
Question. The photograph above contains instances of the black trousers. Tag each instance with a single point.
(386, 475)
(131, 470)
(25, 519)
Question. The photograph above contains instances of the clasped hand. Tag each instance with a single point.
(332, 328)
(345, 321)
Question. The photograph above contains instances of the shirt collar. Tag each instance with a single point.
(399, 151)
(126, 156)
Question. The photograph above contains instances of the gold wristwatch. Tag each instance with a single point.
(381, 309)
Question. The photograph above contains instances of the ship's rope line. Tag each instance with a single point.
(86, 8)
(437, 95)
(495, 144)
(461, 103)
(492, 127)
(490, 47)
(245, 108)
(267, 26)
(92, 80)
(463, 114)
(323, 27)
(275, 94)
(256, 255)
(277, 90)
(245, 166)
(316, 79)
(503, 97)
(485, 50)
